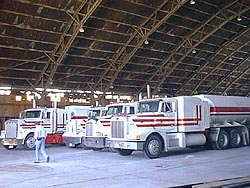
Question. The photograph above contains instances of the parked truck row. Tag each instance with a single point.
(21, 131)
(152, 125)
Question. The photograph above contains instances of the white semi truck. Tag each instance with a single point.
(98, 130)
(97, 112)
(21, 131)
(172, 123)
(75, 128)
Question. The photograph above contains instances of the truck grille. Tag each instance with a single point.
(11, 129)
(89, 129)
(117, 129)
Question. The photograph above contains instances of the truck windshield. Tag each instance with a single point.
(148, 106)
(114, 110)
(32, 114)
(94, 113)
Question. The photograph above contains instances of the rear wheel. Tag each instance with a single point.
(9, 147)
(30, 142)
(124, 152)
(222, 142)
(235, 138)
(153, 147)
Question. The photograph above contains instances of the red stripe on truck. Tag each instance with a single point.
(230, 109)
(79, 117)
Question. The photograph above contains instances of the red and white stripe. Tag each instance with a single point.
(105, 122)
(229, 111)
(160, 120)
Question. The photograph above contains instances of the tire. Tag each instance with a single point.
(97, 149)
(223, 141)
(74, 146)
(30, 142)
(9, 147)
(235, 138)
(124, 152)
(84, 146)
(153, 147)
(113, 150)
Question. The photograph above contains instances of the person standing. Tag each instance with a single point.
(40, 136)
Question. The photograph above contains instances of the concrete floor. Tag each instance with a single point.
(75, 167)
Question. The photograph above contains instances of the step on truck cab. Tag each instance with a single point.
(165, 124)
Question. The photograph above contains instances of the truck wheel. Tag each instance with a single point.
(85, 147)
(72, 146)
(30, 142)
(124, 152)
(235, 138)
(113, 150)
(97, 149)
(9, 147)
(152, 147)
(222, 142)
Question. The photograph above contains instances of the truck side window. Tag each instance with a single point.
(48, 115)
(132, 110)
(166, 107)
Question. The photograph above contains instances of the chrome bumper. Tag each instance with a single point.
(119, 144)
(95, 142)
(12, 141)
(71, 141)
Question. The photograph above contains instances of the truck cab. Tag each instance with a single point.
(98, 130)
(21, 131)
(75, 126)
(97, 112)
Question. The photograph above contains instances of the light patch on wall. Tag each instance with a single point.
(18, 98)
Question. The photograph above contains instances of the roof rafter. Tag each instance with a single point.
(171, 57)
(62, 48)
(203, 37)
(237, 36)
(239, 77)
(230, 18)
(143, 37)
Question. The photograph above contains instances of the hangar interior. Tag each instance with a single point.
(90, 49)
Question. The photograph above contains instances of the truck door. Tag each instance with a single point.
(46, 117)
(169, 108)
